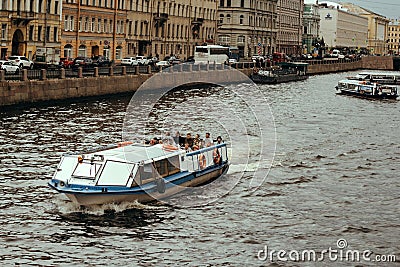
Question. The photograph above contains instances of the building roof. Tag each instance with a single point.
(359, 10)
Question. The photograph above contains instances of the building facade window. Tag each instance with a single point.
(48, 33)
(39, 38)
(3, 31)
(55, 34)
(241, 39)
(224, 39)
(31, 31)
(106, 51)
(82, 51)
(118, 52)
(68, 50)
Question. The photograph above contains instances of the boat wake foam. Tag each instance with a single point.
(67, 207)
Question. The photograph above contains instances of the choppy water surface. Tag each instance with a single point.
(335, 176)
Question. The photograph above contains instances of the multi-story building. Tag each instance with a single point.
(27, 25)
(290, 26)
(169, 27)
(250, 25)
(394, 37)
(342, 29)
(119, 28)
(377, 28)
(94, 27)
(311, 21)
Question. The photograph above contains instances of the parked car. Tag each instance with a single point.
(22, 62)
(190, 59)
(84, 62)
(163, 64)
(129, 61)
(66, 62)
(101, 61)
(175, 61)
(142, 60)
(9, 66)
(336, 53)
(152, 60)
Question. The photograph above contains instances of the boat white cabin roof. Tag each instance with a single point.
(378, 73)
(137, 153)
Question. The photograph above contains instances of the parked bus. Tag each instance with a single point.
(211, 54)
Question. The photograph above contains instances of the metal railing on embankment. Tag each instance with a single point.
(43, 74)
(26, 75)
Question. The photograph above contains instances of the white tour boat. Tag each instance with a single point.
(136, 172)
(366, 89)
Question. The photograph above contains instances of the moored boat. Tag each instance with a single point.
(366, 89)
(286, 72)
(136, 172)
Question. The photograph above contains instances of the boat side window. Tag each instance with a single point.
(146, 173)
(352, 86)
(160, 168)
(167, 166)
(173, 165)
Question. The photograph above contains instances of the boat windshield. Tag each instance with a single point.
(86, 170)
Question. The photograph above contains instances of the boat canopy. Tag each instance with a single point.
(300, 66)
(139, 153)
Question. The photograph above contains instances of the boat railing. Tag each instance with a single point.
(207, 157)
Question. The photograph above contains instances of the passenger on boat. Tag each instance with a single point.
(219, 140)
(195, 147)
(197, 141)
(207, 141)
(187, 147)
(179, 139)
(168, 140)
(189, 140)
(155, 141)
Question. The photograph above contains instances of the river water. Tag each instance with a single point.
(334, 177)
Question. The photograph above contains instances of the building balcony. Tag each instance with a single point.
(198, 21)
(22, 18)
(160, 18)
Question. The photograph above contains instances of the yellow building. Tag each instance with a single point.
(28, 25)
(377, 28)
(94, 27)
(394, 37)
(120, 28)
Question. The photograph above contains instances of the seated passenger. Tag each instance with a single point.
(208, 141)
(197, 141)
(189, 140)
(187, 148)
(168, 140)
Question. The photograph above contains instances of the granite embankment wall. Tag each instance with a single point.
(31, 91)
(375, 63)
(23, 92)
